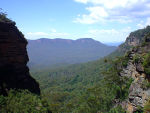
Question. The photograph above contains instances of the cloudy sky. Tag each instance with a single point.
(103, 20)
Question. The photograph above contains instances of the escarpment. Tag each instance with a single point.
(134, 39)
(137, 68)
(14, 73)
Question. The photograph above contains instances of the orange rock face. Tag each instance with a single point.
(130, 108)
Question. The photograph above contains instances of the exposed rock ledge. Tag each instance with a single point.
(138, 96)
(14, 73)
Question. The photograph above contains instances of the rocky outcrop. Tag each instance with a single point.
(134, 39)
(138, 95)
(14, 73)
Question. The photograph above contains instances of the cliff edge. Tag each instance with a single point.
(14, 73)
(138, 68)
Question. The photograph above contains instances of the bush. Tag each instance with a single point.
(145, 84)
(139, 109)
(3, 17)
(146, 64)
(147, 107)
(136, 58)
(22, 102)
(117, 109)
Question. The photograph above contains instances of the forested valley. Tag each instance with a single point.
(112, 84)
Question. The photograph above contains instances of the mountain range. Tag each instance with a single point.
(53, 52)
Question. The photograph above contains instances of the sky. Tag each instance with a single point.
(103, 20)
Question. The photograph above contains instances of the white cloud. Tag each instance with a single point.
(86, 19)
(59, 35)
(148, 21)
(110, 3)
(113, 35)
(123, 11)
(82, 1)
(36, 35)
(102, 35)
(143, 24)
(52, 34)
(53, 30)
(96, 14)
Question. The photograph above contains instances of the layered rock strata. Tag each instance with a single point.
(14, 73)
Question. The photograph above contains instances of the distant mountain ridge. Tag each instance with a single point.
(50, 52)
(67, 41)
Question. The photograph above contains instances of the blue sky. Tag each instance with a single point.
(102, 20)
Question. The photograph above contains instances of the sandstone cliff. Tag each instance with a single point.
(134, 39)
(139, 91)
(14, 73)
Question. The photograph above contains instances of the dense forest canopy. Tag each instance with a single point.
(88, 87)
(80, 88)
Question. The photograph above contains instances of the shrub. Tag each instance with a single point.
(117, 109)
(136, 58)
(139, 109)
(146, 64)
(145, 84)
(3, 17)
(147, 107)
(22, 102)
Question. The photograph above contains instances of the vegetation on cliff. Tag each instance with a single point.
(81, 88)
(147, 107)
(3, 17)
(22, 101)
(14, 73)
(91, 87)
(134, 39)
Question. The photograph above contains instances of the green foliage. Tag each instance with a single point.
(144, 43)
(125, 47)
(84, 88)
(146, 64)
(81, 88)
(124, 61)
(146, 40)
(91, 87)
(3, 17)
(147, 107)
(117, 109)
(136, 58)
(50, 53)
(140, 33)
(139, 109)
(120, 84)
(22, 102)
(145, 84)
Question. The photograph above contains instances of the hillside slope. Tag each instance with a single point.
(119, 85)
(52, 52)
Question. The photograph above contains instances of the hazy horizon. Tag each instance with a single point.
(106, 43)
